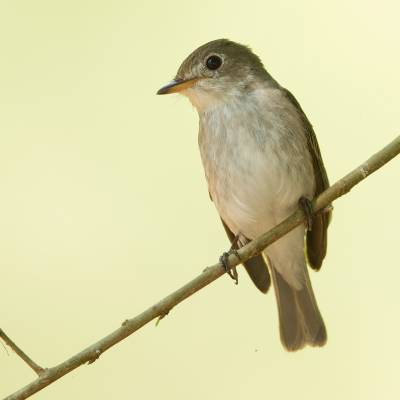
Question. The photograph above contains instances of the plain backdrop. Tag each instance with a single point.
(104, 207)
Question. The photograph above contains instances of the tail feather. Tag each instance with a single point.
(300, 321)
(290, 327)
(314, 327)
(258, 272)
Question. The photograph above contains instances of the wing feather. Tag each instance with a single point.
(317, 237)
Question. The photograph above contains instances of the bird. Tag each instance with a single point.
(261, 160)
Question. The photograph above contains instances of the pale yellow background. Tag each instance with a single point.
(104, 207)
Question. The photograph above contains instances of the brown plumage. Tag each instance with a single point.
(260, 156)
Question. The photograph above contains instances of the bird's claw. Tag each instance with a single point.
(232, 272)
(306, 205)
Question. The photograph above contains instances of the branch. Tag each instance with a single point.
(37, 368)
(210, 274)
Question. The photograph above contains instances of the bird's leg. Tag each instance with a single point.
(306, 205)
(224, 259)
(234, 243)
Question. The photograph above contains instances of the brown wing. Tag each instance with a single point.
(256, 267)
(317, 238)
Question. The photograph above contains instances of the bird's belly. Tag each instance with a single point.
(242, 217)
(256, 169)
(254, 190)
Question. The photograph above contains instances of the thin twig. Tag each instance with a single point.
(37, 368)
(210, 274)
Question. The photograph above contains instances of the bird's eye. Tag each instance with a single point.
(213, 62)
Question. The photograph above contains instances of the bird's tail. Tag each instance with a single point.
(300, 321)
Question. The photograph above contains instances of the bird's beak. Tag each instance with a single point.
(177, 85)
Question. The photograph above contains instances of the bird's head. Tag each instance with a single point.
(217, 72)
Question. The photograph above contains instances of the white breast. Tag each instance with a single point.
(256, 160)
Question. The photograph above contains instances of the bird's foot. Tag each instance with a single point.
(306, 205)
(232, 272)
